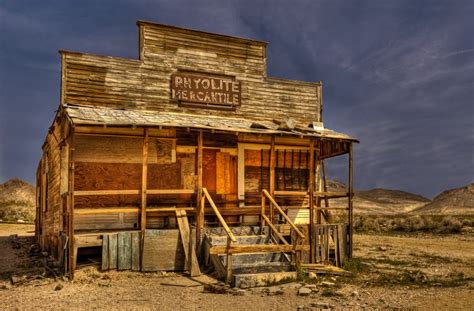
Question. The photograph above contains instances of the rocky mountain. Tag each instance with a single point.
(458, 201)
(379, 201)
(17, 201)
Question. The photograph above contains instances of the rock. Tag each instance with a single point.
(45, 254)
(58, 286)
(355, 293)
(382, 248)
(275, 291)
(304, 291)
(312, 275)
(15, 280)
(20, 221)
(239, 292)
(328, 284)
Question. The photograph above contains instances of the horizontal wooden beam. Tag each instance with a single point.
(131, 192)
(250, 249)
(171, 191)
(291, 193)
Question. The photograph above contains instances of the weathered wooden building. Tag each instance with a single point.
(147, 158)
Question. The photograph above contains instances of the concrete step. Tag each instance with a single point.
(241, 230)
(254, 259)
(241, 240)
(267, 268)
(248, 280)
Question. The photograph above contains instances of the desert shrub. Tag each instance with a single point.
(467, 222)
(449, 225)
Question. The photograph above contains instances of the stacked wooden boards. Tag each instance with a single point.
(121, 251)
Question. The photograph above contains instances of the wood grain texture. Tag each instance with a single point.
(145, 83)
(162, 251)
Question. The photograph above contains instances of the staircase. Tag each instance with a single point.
(248, 269)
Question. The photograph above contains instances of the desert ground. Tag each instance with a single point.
(389, 272)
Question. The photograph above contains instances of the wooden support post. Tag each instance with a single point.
(200, 197)
(263, 212)
(228, 276)
(350, 200)
(144, 182)
(72, 250)
(318, 198)
(325, 186)
(143, 191)
(311, 201)
(272, 175)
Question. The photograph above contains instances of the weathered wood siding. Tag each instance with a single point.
(51, 213)
(145, 83)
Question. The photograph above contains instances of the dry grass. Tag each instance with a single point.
(425, 223)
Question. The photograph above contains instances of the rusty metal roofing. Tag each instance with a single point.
(88, 115)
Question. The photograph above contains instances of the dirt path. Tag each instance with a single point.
(432, 258)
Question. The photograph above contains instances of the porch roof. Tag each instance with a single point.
(88, 115)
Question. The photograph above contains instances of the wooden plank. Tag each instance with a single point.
(316, 244)
(72, 258)
(135, 251)
(241, 173)
(192, 263)
(105, 252)
(272, 174)
(200, 198)
(124, 251)
(275, 204)
(219, 216)
(290, 193)
(144, 189)
(275, 230)
(342, 246)
(251, 249)
(171, 191)
(105, 192)
(162, 251)
(112, 251)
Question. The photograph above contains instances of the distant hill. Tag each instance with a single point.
(17, 201)
(378, 201)
(458, 201)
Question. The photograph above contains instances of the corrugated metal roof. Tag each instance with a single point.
(120, 117)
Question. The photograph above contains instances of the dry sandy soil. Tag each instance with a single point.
(416, 272)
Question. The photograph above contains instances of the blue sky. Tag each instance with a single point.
(399, 75)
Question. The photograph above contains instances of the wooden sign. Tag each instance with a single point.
(207, 90)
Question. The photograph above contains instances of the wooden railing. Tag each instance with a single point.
(274, 206)
(230, 236)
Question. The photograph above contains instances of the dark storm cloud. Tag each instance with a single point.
(397, 74)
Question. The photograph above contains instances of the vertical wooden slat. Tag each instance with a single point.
(316, 243)
(135, 236)
(311, 201)
(112, 251)
(350, 201)
(228, 277)
(342, 247)
(124, 251)
(105, 252)
(200, 198)
(336, 245)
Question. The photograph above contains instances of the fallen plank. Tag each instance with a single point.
(192, 263)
